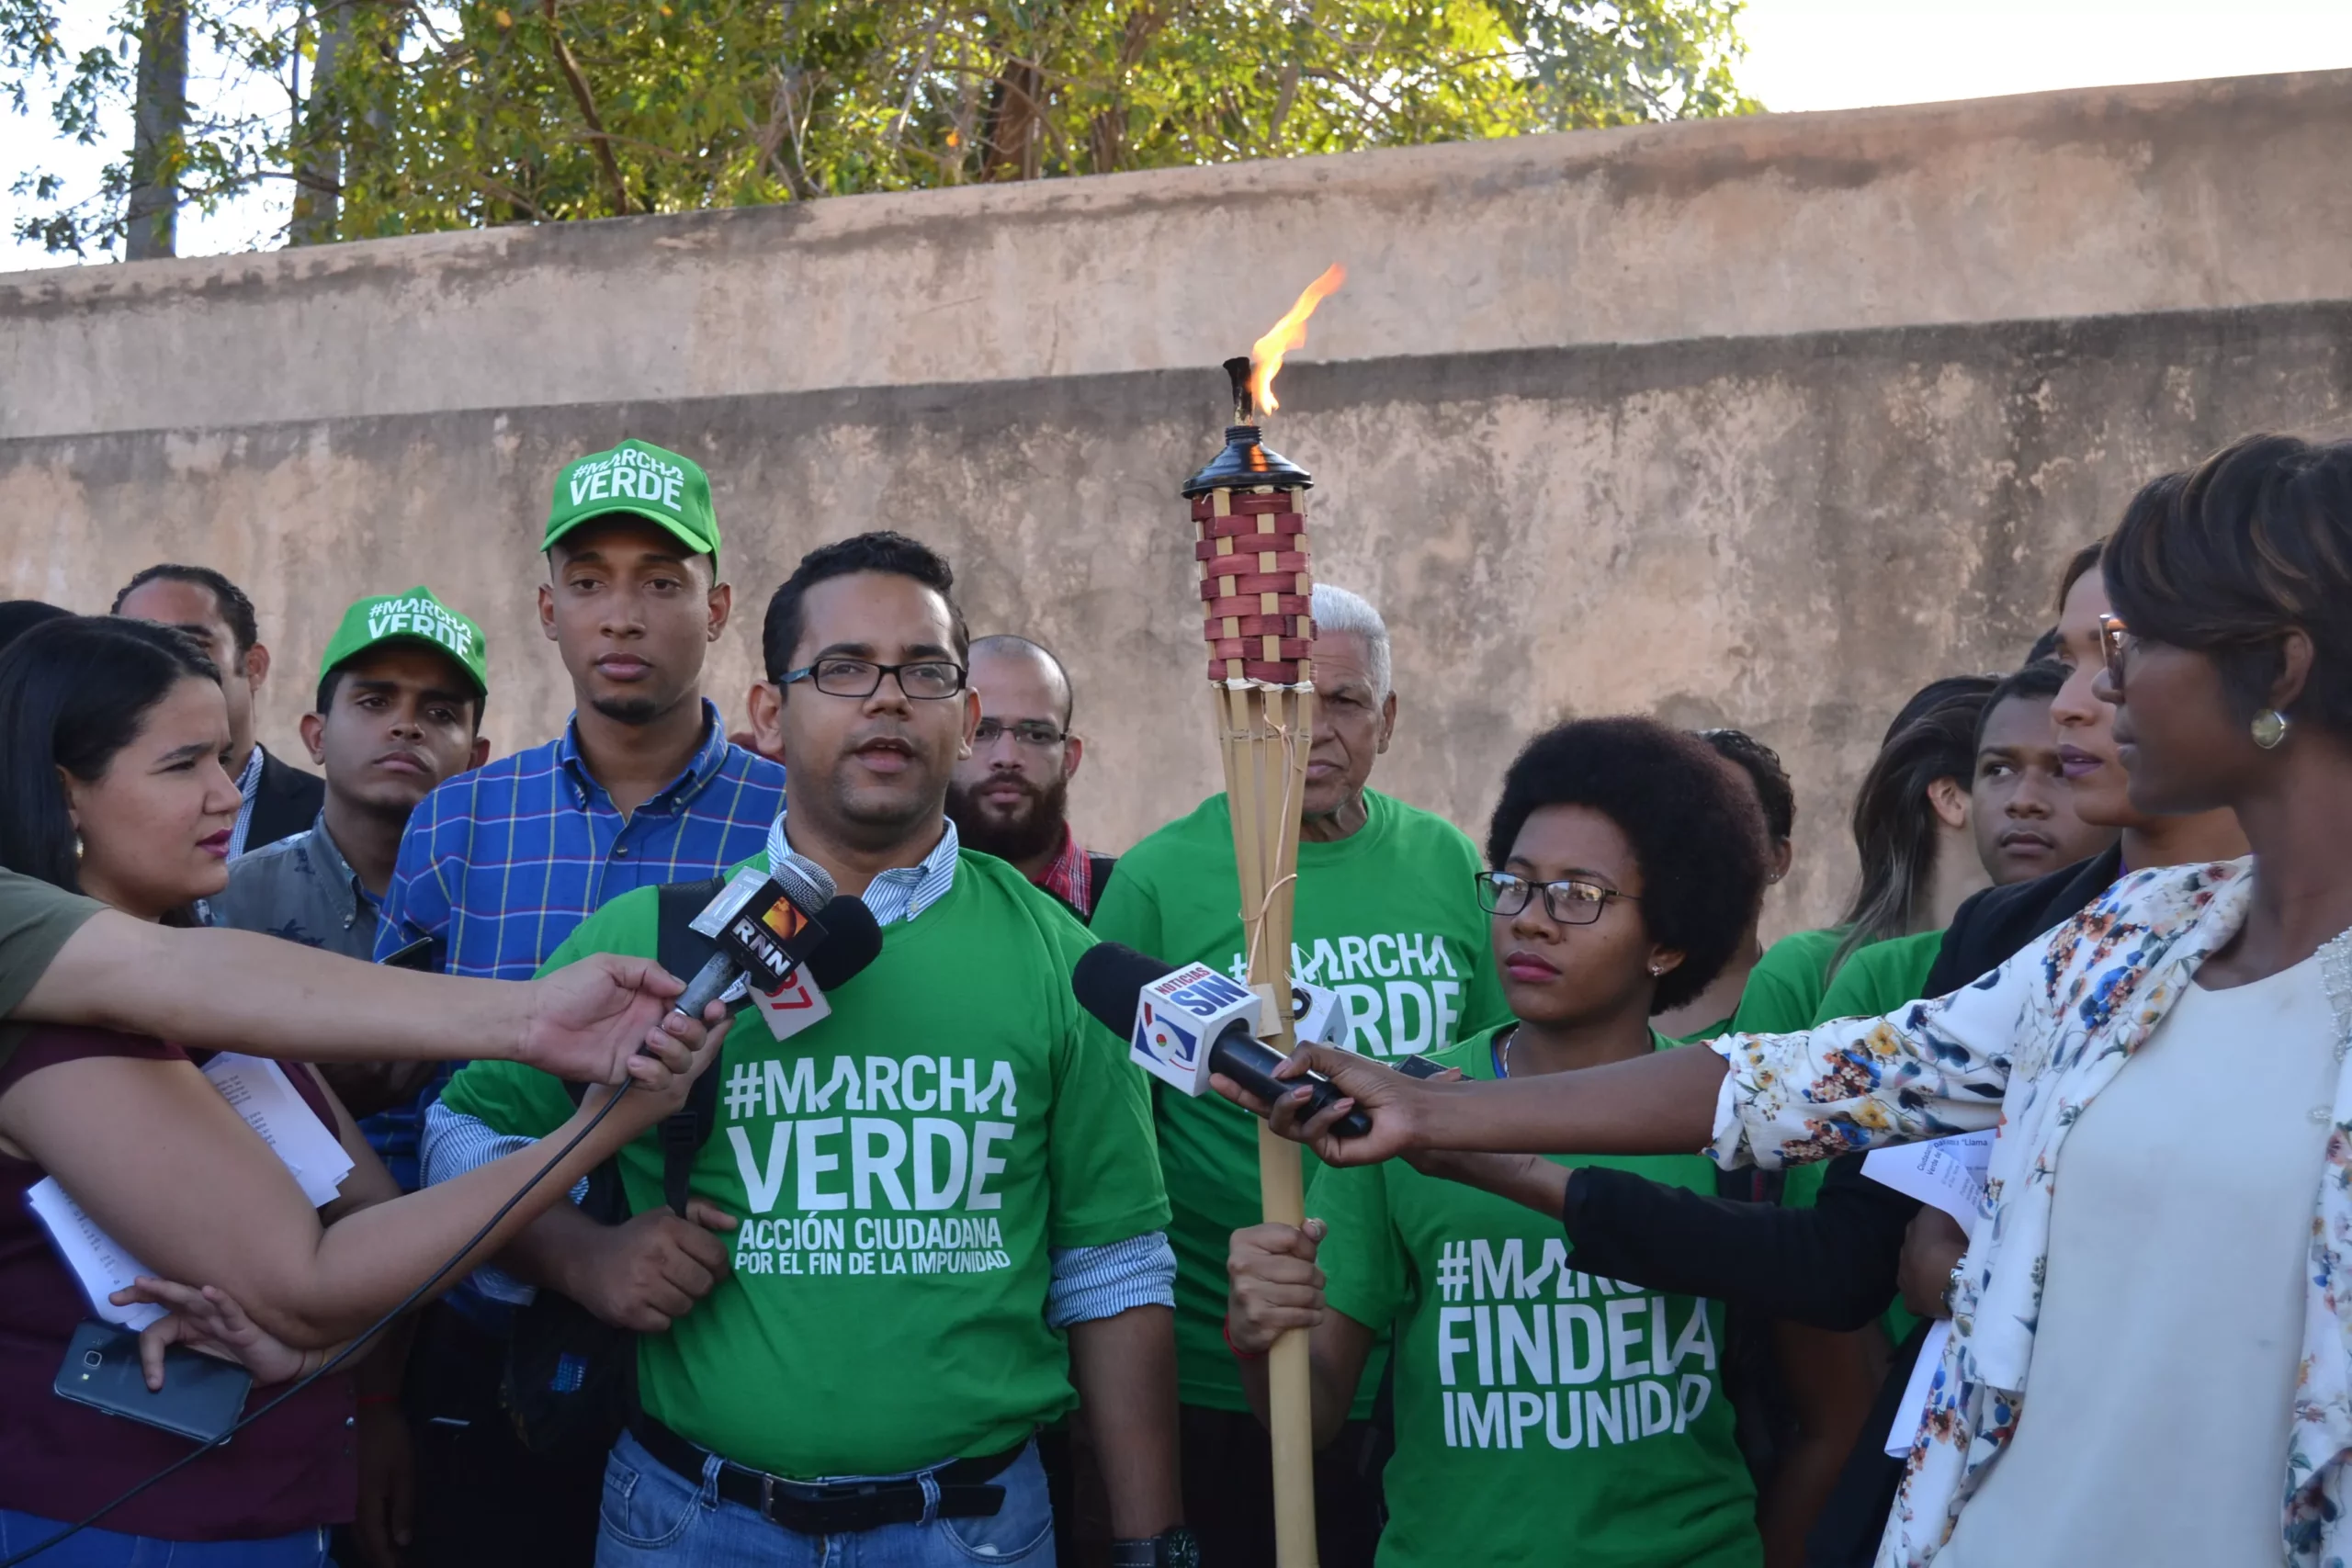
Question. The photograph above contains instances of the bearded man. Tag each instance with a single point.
(1011, 797)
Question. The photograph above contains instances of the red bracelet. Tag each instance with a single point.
(1226, 1328)
(367, 1399)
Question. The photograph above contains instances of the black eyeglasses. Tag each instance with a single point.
(1571, 902)
(1032, 732)
(925, 680)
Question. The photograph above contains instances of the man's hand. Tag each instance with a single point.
(647, 1273)
(587, 1020)
(1932, 1247)
(1274, 1285)
(1387, 1098)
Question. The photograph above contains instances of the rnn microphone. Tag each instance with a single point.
(766, 924)
(1183, 1024)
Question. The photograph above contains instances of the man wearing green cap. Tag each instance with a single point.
(401, 694)
(499, 866)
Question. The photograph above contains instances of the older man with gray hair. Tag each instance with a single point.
(1386, 917)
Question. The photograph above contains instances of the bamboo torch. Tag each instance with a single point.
(1249, 518)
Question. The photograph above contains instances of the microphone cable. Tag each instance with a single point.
(358, 1345)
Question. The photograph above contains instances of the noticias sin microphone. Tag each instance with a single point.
(1183, 1024)
(766, 924)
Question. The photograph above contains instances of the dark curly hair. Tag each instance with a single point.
(1696, 835)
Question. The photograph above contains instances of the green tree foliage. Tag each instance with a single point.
(440, 115)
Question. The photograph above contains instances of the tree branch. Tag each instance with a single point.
(599, 141)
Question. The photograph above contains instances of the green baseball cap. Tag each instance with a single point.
(413, 617)
(636, 478)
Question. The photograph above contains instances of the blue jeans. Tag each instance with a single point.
(96, 1548)
(653, 1517)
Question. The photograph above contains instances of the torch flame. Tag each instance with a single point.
(1266, 353)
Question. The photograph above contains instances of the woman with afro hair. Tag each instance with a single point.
(1543, 1415)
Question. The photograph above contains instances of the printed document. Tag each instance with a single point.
(1947, 1174)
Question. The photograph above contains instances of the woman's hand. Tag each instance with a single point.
(209, 1320)
(660, 1075)
(1932, 1247)
(1388, 1099)
(598, 1020)
(1274, 1284)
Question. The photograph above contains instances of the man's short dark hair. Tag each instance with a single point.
(1010, 642)
(235, 608)
(2038, 681)
(1696, 835)
(330, 682)
(880, 551)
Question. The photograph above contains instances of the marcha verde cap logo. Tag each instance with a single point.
(636, 478)
(413, 617)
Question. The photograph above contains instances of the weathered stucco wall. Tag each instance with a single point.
(1763, 422)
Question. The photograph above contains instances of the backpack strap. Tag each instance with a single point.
(1098, 875)
(682, 950)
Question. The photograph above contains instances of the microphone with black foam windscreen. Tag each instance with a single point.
(766, 924)
(1184, 1024)
(851, 942)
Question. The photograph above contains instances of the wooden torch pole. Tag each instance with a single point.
(1251, 544)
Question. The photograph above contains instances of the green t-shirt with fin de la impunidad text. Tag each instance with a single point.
(1388, 916)
(901, 1169)
(1543, 1416)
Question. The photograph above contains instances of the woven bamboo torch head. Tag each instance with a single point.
(1249, 521)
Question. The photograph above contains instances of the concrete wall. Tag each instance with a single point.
(1761, 422)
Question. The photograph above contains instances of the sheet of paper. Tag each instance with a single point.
(266, 1098)
(99, 1263)
(1915, 1392)
(261, 1092)
(1947, 1173)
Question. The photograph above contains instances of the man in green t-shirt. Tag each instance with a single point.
(948, 1206)
(1385, 918)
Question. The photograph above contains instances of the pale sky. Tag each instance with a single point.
(1802, 54)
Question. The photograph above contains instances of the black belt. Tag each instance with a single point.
(841, 1508)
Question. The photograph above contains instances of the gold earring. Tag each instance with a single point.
(2270, 728)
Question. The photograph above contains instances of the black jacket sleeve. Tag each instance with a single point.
(1832, 1266)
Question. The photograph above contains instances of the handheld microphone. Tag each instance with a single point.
(765, 923)
(851, 942)
(1183, 1024)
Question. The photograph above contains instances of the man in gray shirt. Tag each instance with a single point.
(401, 694)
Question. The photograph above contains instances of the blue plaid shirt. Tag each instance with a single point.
(500, 864)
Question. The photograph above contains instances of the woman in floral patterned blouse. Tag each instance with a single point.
(2229, 664)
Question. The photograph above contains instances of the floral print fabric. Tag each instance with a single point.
(2026, 1048)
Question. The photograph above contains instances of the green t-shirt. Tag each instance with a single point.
(901, 1169)
(1388, 918)
(1785, 988)
(1881, 978)
(1873, 981)
(1784, 992)
(36, 920)
(1555, 1416)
